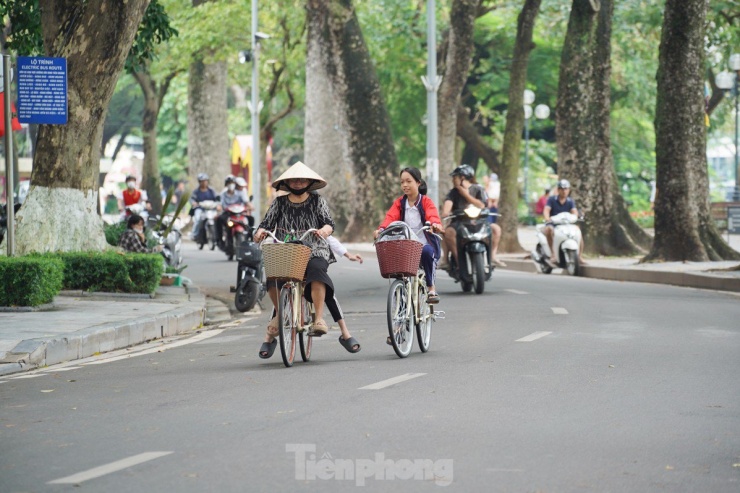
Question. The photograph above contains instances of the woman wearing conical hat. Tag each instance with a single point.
(300, 211)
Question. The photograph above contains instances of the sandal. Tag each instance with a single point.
(388, 341)
(267, 349)
(319, 328)
(433, 298)
(349, 344)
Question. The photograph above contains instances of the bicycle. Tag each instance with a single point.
(407, 308)
(287, 262)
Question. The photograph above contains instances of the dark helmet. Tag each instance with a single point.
(229, 179)
(130, 178)
(466, 171)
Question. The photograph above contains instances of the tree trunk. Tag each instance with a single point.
(457, 65)
(325, 127)
(509, 199)
(684, 230)
(469, 134)
(583, 129)
(153, 97)
(208, 130)
(60, 212)
(367, 135)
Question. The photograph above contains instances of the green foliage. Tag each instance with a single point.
(25, 20)
(111, 271)
(113, 232)
(155, 28)
(29, 281)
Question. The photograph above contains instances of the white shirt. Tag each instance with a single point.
(413, 219)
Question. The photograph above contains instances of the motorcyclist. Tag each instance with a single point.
(230, 196)
(464, 192)
(130, 196)
(241, 187)
(202, 193)
(555, 205)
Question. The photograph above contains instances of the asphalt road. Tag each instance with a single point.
(541, 384)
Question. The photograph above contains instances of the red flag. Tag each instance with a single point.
(14, 122)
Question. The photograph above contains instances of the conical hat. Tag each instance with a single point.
(299, 170)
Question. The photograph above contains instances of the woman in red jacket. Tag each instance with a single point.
(415, 208)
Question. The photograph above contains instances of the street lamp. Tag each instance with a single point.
(246, 56)
(541, 111)
(728, 81)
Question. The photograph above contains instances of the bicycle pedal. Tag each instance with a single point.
(439, 315)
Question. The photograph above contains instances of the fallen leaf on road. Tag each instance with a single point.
(611, 366)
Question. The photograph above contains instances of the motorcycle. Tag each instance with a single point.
(566, 242)
(207, 233)
(250, 274)
(239, 224)
(171, 241)
(473, 249)
(138, 209)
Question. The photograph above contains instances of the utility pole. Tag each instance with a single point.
(432, 82)
(256, 175)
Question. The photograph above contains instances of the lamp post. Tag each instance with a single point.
(431, 83)
(541, 111)
(728, 81)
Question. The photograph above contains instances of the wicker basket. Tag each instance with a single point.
(285, 260)
(398, 257)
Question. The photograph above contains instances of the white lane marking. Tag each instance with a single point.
(533, 337)
(556, 310)
(159, 349)
(118, 465)
(391, 381)
(66, 368)
(34, 375)
(516, 291)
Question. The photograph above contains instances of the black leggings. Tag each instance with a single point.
(317, 271)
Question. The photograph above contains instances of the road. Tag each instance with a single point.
(542, 383)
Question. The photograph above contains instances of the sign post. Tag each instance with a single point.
(9, 199)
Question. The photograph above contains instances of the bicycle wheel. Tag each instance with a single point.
(424, 327)
(286, 327)
(400, 326)
(306, 341)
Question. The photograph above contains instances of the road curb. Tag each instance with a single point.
(682, 279)
(34, 353)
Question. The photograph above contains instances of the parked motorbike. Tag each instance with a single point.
(473, 249)
(207, 233)
(239, 224)
(250, 274)
(171, 241)
(566, 242)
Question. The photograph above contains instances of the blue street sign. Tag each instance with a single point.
(42, 90)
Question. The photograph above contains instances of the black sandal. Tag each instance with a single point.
(432, 298)
(267, 349)
(349, 344)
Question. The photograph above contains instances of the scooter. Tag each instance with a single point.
(207, 233)
(171, 243)
(566, 242)
(473, 249)
(239, 225)
(250, 275)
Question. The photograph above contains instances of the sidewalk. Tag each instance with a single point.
(83, 324)
(703, 275)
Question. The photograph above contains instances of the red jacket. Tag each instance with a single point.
(430, 211)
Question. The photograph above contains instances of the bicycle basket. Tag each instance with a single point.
(399, 257)
(285, 260)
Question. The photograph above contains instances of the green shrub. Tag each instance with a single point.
(29, 281)
(111, 271)
(113, 232)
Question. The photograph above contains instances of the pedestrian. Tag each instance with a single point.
(415, 209)
(339, 249)
(539, 208)
(133, 239)
(298, 212)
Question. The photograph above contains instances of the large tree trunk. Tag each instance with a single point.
(684, 230)
(324, 146)
(457, 64)
(583, 129)
(366, 134)
(60, 212)
(153, 96)
(509, 200)
(208, 130)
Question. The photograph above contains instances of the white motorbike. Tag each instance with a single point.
(170, 238)
(208, 225)
(566, 242)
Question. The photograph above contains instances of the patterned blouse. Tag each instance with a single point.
(131, 242)
(289, 221)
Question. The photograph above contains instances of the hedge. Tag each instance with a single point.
(111, 271)
(113, 232)
(29, 281)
